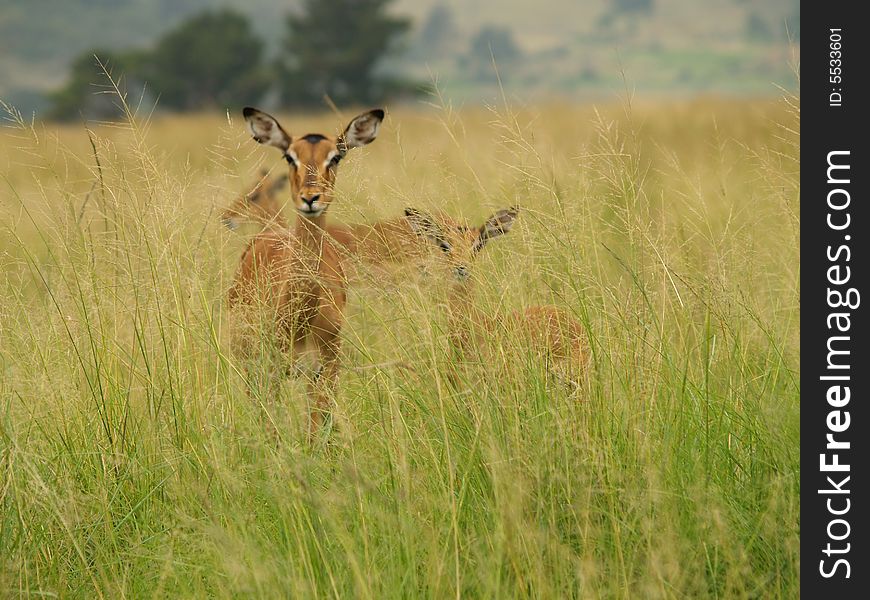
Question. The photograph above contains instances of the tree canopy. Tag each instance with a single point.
(439, 30)
(88, 92)
(492, 42)
(212, 59)
(334, 48)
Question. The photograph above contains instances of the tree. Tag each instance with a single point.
(757, 28)
(439, 31)
(625, 12)
(492, 42)
(212, 59)
(632, 6)
(89, 93)
(334, 47)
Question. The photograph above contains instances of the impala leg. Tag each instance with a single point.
(321, 386)
(272, 364)
(456, 372)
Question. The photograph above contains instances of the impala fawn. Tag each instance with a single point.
(261, 206)
(549, 331)
(294, 276)
(379, 243)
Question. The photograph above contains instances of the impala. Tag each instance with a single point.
(378, 243)
(547, 330)
(295, 274)
(261, 205)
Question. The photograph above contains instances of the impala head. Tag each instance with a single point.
(313, 158)
(261, 204)
(460, 244)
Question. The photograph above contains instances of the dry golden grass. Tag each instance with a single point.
(134, 463)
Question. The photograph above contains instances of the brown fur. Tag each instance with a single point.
(378, 243)
(295, 275)
(260, 206)
(546, 329)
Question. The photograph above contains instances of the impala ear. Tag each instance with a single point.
(260, 186)
(362, 130)
(266, 129)
(278, 183)
(425, 226)
(498, 224)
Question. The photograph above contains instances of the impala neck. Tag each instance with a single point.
(276, 220)
(464, 316)
(309, 233)
(310, 230)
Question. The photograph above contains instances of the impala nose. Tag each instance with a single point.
(310, 200)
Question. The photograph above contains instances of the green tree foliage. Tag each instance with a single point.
(492, 42)
(212, 59)
(625, 14)
(89, 92)
(757, 28)
(632, 6)
(497, 41)
(334, 48)
(439, 31)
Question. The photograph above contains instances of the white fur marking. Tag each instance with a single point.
(329, 158)
(266, 130)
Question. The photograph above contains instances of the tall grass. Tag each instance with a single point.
(134, 460)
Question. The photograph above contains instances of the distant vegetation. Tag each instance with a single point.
(162, 50)
(332, 48)
(214, 59)
(492, 43)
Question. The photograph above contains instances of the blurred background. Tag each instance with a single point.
(204, 55)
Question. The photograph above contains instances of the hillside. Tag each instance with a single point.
(566, 47)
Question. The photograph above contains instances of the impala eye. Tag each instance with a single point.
(290, 160)
(334, 161)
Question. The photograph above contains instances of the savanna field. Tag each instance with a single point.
(134, 458)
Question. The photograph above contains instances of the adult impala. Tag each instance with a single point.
(295, 274)
(389, 241)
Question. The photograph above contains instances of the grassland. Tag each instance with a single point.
(133, 463)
